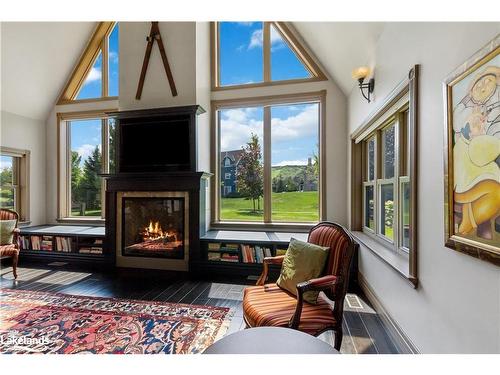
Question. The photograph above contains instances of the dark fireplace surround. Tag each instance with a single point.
(156, 200)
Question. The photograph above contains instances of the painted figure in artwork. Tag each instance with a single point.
(476, 153)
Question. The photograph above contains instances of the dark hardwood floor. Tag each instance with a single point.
(363, 329)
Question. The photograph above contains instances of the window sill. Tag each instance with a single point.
(397, 261)
(276, 227)
(78, 220)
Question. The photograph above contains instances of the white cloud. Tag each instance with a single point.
(238, 124)
(85, 150)
(290, 162)
(94, 75)
(113, 57)
(303, 124)
(256, 39)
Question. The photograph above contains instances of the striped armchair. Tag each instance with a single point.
(269, 305)
(13, 248)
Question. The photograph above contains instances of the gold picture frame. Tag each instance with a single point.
(472, 155)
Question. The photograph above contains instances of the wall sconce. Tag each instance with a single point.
(360, 74)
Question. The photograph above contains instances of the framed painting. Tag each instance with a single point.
(472, 155)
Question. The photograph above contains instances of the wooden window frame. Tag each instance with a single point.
(64, 162)
(266, 102)
(21, 173)
(288, 37)
(404, 98)
(97, 44)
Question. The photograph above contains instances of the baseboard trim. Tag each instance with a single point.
(400, 338)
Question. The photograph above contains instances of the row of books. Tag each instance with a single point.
(223, 257)
(254, 254)
(41, 243)
(64, 244)
(90, 250)
(24, 242)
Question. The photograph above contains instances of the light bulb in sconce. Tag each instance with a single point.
(360, 74)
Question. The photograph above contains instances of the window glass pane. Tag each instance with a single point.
(388, 151)
(86, 164)
(295, 162)
(387, 210)
(113, 62)
(405, 213)
(92, 86)
(284, 63)
(369, 212)
(241, 156)
(112, 145)
(241, 58)
(7, 170)
(371, 159)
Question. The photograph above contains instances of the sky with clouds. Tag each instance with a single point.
(294, 131)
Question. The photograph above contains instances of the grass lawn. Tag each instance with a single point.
(87, 213)
(286, 206)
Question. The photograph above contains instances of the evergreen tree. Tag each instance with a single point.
(90, 181)
(250, 172)
(76, 176)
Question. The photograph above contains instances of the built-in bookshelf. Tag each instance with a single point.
(83, 243)
(241, 252)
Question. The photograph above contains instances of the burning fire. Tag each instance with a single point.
(154, 231)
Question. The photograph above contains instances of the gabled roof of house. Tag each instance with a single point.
(234, 155)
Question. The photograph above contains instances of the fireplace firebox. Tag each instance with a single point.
(153, 227)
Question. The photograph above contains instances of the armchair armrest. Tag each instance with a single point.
(16, 232)
(265, 267)
(319, 284)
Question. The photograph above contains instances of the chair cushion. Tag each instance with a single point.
(8, 250)
(7, 231)
(303, 261)
(269, 305)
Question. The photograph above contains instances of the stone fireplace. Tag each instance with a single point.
(156, 202)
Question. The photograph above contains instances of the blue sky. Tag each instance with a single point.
(241, 55)
(85, 136)
(5, 162)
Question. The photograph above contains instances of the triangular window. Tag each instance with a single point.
(96, 74)
(285, 64)
(257, 54)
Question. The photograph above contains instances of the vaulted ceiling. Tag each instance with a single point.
(36, 60)
(38, 57)
(342, 46)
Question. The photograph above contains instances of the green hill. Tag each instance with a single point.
(288, 171)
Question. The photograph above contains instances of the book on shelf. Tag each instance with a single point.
(46, 243)
(214, 256)
(214, 246)
(24, 242)
(36, 242)
(229, 258)
(64, 244)
(90, 250)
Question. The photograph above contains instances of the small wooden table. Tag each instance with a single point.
(270, 340)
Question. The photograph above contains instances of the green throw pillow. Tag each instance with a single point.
(6, 231)
(303, 261)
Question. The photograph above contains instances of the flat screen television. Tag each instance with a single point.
(155, 144)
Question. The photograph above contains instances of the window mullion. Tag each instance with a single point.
(267, 164)
(266, 47)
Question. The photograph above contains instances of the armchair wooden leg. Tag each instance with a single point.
(15, 258)
(338, 338)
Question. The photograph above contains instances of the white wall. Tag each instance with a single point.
(179, 39)
(28, 134)
(457, 305)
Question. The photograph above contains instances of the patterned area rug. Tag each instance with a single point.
(37, 322)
